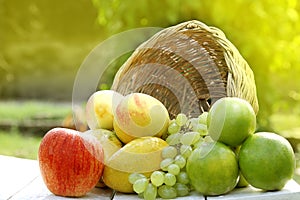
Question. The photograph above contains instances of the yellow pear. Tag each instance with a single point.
(141, 155)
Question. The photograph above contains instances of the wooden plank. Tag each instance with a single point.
(21, 179)
(192, 196)
(291, 191)
(15, 174)
(38, 190)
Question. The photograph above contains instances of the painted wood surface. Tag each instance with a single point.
(21, 179)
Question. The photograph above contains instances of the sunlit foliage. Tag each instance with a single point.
(267, 33)
(44, 42)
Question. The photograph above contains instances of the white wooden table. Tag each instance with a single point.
(21, 179)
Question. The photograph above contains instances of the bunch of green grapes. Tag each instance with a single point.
(172, 181)
(187, 131)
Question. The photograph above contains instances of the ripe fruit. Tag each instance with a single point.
(150, 192)
(231, 120)
(242, 182)
(99, 109)
(140, 115)
(142, 155)
(157, 178)
(167, 192)
(212, 169)
(71, 163)
(109, 141)
(267, 161)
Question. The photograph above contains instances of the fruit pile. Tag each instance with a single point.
(133, 146)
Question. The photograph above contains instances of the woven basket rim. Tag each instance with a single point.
(240, 79)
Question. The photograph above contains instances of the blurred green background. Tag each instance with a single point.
(44, 42)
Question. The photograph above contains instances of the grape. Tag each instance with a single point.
(192, 122)
(173, 128)
(165, 163)
(169, 152)
(167, 192)
(183, 178)
(174, 139)
(181, 119)
(140, 185)
(141, 195)
(198, 144)
(170, 179)
(173, 169)
(181, 189)
(203, 118)
(157, 178)
(202, 129)
(208, 139)
(134, 177)
(150, 192)
(180, 161)
(189, 138)
(185, 151)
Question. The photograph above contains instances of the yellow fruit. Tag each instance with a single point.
(267, 161)
(142, 155)
(242, 182)
(213, 169)
(109, 141)
(140, 115)
(118, 180)
(99, 109)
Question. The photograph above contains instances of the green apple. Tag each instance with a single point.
(231, 120)
(213, 168)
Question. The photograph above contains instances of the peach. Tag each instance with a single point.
(99, 109)
(139, 115)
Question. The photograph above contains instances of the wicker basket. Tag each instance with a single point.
(187, 67)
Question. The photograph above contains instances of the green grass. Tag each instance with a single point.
(24, 144)
(13, 143)
(22, 110)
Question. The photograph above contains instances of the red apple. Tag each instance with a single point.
(71, 162)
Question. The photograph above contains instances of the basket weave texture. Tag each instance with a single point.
(188, 67)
